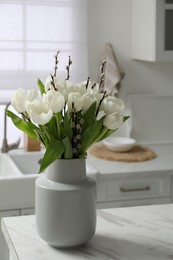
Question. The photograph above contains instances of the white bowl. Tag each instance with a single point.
(119, 144)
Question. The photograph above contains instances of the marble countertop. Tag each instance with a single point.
(162, 164)
(135, 233)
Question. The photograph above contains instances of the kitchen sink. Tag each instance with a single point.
(29, 163)
(19, 191)
(7, 167)
(15, 191)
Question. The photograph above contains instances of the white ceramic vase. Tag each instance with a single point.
(65, 204)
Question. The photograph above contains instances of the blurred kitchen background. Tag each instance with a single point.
(32, 31)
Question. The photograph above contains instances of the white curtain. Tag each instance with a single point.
(31, 31)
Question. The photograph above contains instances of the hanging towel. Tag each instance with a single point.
(113, 74)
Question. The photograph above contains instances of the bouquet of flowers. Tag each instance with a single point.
(65, 117)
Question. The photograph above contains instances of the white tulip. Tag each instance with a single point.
(113, 121)
(96, 96)
(20, 96)
(31, 94)
(91, 86)
(18, 100)
(48, 84)
(112, 104)
(67, 90)
(39, 112)
(80, 88)
(76, 99)
(88, 100)
(60, 85)
(55, 100)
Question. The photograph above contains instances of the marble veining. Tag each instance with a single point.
(135, 233)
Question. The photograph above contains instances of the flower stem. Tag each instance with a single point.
(58, 117)
(104, 94)
(68, 68)
(87, 83)
(53, 82)
(46, 136)
(56, 63)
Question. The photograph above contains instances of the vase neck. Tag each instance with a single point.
(67, 171)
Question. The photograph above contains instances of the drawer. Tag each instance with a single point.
(133, 188)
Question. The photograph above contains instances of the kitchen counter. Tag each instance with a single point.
(118, 183)
(135, 233)
(162, 164)
(97, 167)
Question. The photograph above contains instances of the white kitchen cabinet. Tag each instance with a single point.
(132, 191)
(152, 30)
(4, 252)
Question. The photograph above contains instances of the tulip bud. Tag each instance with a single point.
(113, 121)
(112, 104)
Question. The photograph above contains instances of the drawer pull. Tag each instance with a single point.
(137, 189)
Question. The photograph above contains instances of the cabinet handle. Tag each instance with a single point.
(137, 189)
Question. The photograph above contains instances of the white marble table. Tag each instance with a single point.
(135, 233)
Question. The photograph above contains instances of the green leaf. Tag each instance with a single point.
(125, 118)
(68, 154)
(83, 155)
(91, 134)
(27, 127)
(58, 117)
(89, 116)
(53, 152)
(105, 133)
(52, 128)
(67, 127)
(41, 86)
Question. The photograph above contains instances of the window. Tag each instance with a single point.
(31, 31)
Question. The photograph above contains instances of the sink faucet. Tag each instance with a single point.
(5, 146)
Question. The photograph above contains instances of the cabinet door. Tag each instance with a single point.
(152, 30)
(4, 252)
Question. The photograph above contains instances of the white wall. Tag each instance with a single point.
(110, 21)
